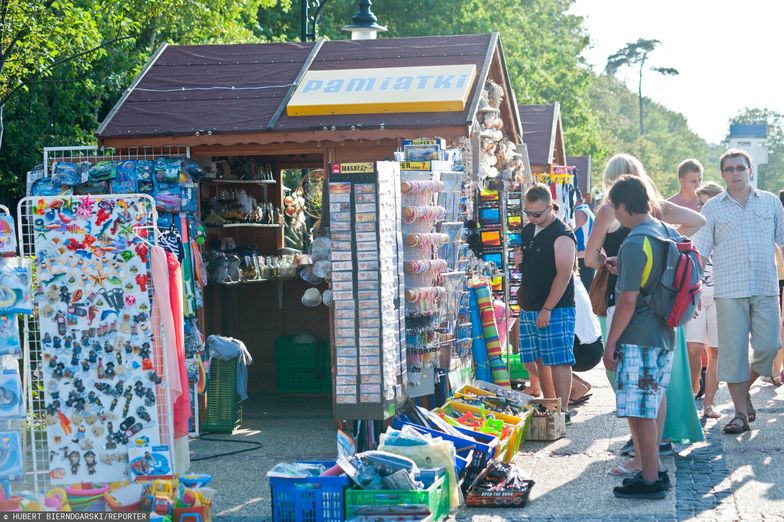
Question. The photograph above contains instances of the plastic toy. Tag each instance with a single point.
(57, 500)
(195, 480)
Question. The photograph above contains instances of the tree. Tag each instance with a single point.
(667, 141)
(633, 54)
(771, 176)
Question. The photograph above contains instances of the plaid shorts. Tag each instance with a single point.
(554, 344)
(641, 380)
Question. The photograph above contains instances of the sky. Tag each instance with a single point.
(728, 54)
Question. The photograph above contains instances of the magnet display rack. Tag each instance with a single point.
(38, 453)
(93, 153)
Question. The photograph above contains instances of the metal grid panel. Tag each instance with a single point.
(93, 153)
(37, 457)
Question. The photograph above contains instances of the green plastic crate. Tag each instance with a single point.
(224, 408)
(304, 381)
(289, 354)
(436, 498)
(516, 367)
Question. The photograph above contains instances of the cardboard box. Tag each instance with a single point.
(549, 427)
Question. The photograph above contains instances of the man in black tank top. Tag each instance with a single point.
(546, 295)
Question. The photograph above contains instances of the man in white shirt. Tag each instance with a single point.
(744, 225)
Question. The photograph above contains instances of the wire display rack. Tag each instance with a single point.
(37, 452)
(93, 153)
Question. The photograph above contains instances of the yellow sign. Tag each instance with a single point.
(438, 88)
(414, 165)
(353, 168)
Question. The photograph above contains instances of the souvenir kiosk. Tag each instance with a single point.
(250, 114)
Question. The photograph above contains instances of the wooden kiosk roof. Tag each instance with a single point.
(543, 135)
(229, 95)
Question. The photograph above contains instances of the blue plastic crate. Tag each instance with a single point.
(312, 499)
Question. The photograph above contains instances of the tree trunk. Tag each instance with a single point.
(639, 93)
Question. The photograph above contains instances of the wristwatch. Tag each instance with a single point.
(548, 309)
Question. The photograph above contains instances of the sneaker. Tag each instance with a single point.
(568, 419)
(628, 448)
(638, 488)
(664, 479)
(665, 448)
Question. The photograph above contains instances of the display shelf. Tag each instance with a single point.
(268, 280)
(241, 181)
(245, 225)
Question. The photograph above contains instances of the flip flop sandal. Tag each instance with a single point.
(581, 400)
(709, 413)
(751, 413)
(622, 471)
(738, 424)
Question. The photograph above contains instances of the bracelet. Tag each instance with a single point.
(548, 309)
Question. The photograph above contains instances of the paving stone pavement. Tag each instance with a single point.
(725, 478)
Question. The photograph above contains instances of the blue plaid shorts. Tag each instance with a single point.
(641, 380)
(554, 344)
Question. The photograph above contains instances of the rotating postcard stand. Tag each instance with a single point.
(367, 265)
(93, 355)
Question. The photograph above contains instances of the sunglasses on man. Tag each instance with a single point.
(534, 213)
(739, 169)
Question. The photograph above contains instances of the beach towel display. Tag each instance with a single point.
(484, 301)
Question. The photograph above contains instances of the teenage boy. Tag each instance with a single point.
(639, 345)
(690, 179)
(546, 295)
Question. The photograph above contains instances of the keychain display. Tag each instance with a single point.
(15, 287)
(94, 308)
(9, 336)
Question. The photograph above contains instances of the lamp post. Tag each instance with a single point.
(364, 24)
(308, 20)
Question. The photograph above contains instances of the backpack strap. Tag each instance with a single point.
(651, 230)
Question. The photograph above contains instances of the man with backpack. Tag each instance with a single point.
(651, 301)
(744, 224)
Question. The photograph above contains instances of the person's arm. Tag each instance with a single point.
(580, 218)
(624, 310)
(689, 220)
(565, 252)
(631, 264)
(594, 257)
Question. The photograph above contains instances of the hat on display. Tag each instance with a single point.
(311, 298)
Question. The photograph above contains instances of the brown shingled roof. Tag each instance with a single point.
(232, 89)
(540, 124)
(583, 166)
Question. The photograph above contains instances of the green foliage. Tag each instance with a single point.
(75, 58)
(666, 142)
(771, 176)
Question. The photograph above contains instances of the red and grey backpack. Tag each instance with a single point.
(674, 298)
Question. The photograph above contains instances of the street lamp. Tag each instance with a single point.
(364, 26)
